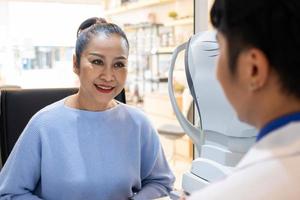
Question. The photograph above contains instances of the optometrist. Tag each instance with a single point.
(259, 70)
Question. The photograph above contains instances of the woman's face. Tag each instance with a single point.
(233, 84)
(102, 71)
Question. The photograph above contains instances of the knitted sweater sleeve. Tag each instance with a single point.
(21, 172)
(157, 177)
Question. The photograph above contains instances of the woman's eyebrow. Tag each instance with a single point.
(97, 54)
(120, 58)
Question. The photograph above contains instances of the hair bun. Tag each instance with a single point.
(90, 22)
(100, 21)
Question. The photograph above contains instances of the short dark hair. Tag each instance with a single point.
(273, 26)
(94, 26)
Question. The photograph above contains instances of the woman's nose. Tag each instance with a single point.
(107, 74)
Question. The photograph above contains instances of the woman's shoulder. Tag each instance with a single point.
(136, 116)
(133, 111)
(43, 119)
(50, 111)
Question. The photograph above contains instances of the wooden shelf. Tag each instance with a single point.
(180, 22)
(141, 25)
(135, 6)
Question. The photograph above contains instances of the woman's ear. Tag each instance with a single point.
(75, 65)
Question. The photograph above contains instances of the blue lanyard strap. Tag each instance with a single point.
(277, 123)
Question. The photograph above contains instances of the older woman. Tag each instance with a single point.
(89, 146)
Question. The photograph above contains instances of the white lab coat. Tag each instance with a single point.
(270, 170)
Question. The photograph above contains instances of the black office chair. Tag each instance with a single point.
(18, 106)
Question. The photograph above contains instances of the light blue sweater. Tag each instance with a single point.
(69, 154)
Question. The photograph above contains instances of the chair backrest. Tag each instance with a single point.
(18, 106)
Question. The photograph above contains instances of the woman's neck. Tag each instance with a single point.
(75, 101)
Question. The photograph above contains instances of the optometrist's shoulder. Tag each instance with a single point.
(88, 145)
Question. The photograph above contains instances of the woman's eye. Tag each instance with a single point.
(97, 62)
(119, 65)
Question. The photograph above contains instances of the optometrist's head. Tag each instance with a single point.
(270, 26)
(259, 52)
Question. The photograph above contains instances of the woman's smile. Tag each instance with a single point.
(104, 88)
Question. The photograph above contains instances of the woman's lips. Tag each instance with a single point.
(104, 88)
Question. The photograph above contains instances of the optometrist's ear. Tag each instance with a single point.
(257, 70)
(75, 65)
